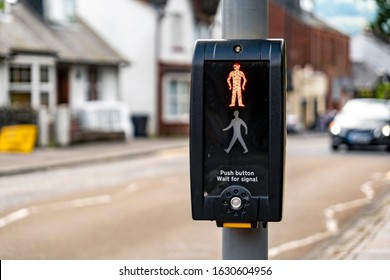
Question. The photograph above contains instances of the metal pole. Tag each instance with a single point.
(245, 19)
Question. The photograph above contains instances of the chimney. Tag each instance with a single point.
(290, 5)
(293, 5)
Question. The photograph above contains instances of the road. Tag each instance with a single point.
(140, 208)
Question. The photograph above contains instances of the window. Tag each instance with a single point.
(20, 98)
(44, 98)
(44, 74)
(177, 96)
(30, 84)
(69, 7)
(177, 32)
(59, 11)
(333, 52)
(20, 74)
(2, 5)
(315, 51)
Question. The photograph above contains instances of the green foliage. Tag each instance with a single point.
(380, 26)
(364, 93)
(383, 90)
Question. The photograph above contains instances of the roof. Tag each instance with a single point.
(366, 47)
(25, 32)
(363, 76)
(204, 10)
(293, 9)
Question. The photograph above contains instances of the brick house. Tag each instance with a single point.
(311, 41)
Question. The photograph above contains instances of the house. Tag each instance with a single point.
(310, 41)
(370, 66)
(49, 56)
(313, 43)
(184, 22)
(376, 53)
(158, 37)
(364, 79)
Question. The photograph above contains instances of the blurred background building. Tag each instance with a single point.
(49, 56)
(323, 51)
(370, 66)
(93, 56)
(158, 38)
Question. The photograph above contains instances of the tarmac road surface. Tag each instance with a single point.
(139, 208)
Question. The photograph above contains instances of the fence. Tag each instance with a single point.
(104, 116)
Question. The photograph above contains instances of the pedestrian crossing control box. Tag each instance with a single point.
(238, 131)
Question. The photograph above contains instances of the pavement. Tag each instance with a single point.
(368, 238)
(47, 158)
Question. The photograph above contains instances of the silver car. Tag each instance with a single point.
(362, 122)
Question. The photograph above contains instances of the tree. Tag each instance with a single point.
(380, 26)
(382, 89)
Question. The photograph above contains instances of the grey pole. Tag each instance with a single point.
(245, 19)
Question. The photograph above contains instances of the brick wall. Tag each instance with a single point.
(310, 41)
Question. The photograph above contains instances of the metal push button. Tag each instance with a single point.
(236, 203)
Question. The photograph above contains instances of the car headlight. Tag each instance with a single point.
(386, 130)
(334, 128)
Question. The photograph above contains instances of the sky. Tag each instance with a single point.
(348, 16)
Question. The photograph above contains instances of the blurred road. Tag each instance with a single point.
(139, 208)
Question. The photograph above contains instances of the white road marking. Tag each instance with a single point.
(387, 176)
(75, 203)
(295, 244)
(14, 217)
(174, 152)
(131, 188)
(332, 227)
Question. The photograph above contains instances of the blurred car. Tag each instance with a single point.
(362, 122)
(294, 124)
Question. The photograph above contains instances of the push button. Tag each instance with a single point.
(236, 203)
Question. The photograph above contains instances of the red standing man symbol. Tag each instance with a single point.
(239, 81)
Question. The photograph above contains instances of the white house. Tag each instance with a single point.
(49, 56)
(130, 27)
(158, 37)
